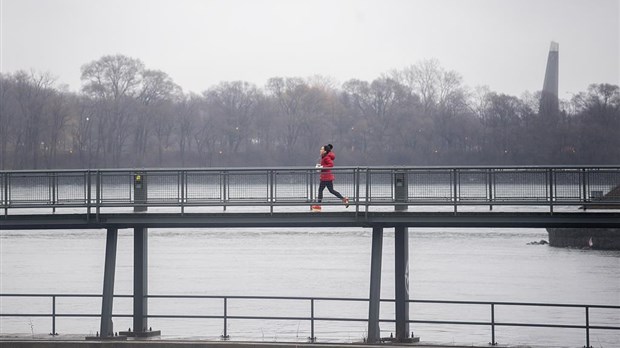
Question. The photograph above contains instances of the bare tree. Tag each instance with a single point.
(233, 106)
(8, 116)
(32, 93)
(114, 81)
(289, 94)
(156, 90)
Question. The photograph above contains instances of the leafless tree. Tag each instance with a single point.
(114, 81)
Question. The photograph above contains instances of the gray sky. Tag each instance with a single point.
(499, 43)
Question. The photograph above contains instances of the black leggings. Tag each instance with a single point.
(330, 187)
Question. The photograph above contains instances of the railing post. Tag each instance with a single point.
(367, 195)
(225, 335)
(271, 184)
(551, 193)
(357, 190)
(455, 187)
(182, 188)
(312, 338)
(490, 181)
(588, 327)
(224, 183)
(98, 194)
(584, 191)
(493, 343)
(140, 191)
(6, 193)
(400, 189)
(53, 333)
(54, 179)
(88, 194)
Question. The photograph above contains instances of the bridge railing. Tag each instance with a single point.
(313, 315)
(366, 186)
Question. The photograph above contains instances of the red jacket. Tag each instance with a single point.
(327, 161)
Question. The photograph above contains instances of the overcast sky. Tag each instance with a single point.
(499, 43)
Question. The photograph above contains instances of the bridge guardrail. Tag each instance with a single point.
(492, 323)
(366, 186)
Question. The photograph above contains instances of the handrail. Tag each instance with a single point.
(550, 186)
(312, 317)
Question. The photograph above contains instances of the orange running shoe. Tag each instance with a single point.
(315, 208)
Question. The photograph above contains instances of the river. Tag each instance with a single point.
(445, 264)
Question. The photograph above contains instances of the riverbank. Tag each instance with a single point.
(585, 238)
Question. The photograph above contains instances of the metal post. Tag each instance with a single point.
(312, 337)
(182, 191)
(368, 193)
(224, 183)
(493, 343)
(401, 191)
(225, 336)
(54, 191)
(88, 194)
(455, 188)
(6, 194)
(374, 306)
(107, 329)
(401, 273)
(588, 327)
(140, 279)
(271, 190)
(53, 333)
(357, 191)
(140, 192)
(98, 195)
(490, 179)
(582, 180)
(551, 193)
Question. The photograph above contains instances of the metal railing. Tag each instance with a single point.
(492, 323)
(270, 187)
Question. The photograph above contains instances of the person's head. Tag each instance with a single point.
(325, 149)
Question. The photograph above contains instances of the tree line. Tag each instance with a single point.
(127, 115)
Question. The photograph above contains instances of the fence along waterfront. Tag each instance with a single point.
(312, 316)
(367, 186)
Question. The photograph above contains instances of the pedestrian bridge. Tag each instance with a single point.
(380, 197)
(525, 196)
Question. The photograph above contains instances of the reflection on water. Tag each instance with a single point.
(446, 264)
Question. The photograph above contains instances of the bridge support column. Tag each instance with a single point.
(107, 328)
(107, 302)
(140, 280)
(374, 332)
(401, 274)
(140, 286)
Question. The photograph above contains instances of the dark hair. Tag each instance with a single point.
(328, 147)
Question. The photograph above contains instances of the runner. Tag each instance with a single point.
(327, 177)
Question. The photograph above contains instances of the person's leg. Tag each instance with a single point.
(330, 187)
(321, 188)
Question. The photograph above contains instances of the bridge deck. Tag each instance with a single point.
(609, 219)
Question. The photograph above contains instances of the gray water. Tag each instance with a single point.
(445, 264)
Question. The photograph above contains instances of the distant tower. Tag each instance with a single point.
(549, 104)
